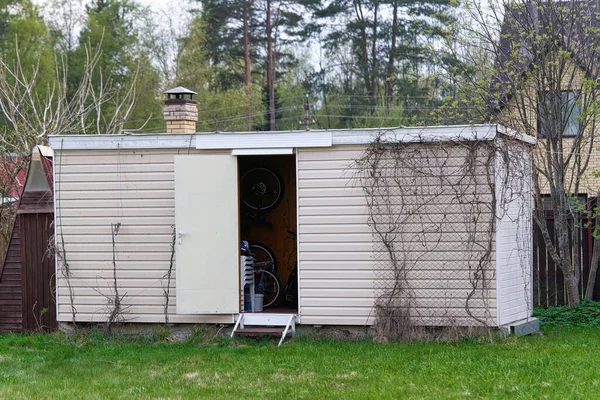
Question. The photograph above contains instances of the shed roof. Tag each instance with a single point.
(286, 139)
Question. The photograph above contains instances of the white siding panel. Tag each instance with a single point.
(132, 316)
(308, 192)
(139, 202)
(119, 176)
(129, 239)
(336, 249)
(118, 194)
(307, 220)
(125, 231)
(134, 188)
(335, 243)
(108, 213)
(514, 232)
(125, 219)
(125, 185)
(338, 277)
(357, 320)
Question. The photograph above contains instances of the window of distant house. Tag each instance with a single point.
(579, 202)
(568, 105)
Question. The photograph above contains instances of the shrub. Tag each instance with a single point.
(585, 314)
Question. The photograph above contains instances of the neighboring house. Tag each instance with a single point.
(562, 39)
(12, 178)
(151, 187)
(27, 280)
(548, 58)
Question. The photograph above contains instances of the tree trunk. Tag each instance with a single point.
(374, 52)
(270, 69)
(364, 53)
(576, 244)
(557, 250)
(322, 80)
(589, 290)
(389, 80)
(247, 71)
(306, 114)
(561, 226)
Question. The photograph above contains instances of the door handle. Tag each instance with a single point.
(179, 236)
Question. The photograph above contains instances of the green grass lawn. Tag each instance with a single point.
(560, 363)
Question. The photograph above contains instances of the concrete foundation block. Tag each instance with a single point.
(525, 327)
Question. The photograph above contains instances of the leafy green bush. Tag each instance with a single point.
(585, 314)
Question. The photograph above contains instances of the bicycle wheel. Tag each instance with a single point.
(262, 253)
(269, 285)
(260, 189)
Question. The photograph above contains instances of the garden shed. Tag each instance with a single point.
(429, 225)
(27, 281)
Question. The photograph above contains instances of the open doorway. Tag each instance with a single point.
(267, 187)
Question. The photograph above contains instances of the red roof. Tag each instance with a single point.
(12, 176)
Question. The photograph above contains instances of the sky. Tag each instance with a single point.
(157, 5)
(160, 7)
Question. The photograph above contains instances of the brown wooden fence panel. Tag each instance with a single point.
(39, 304)
(542, 268)
(536, 284)
(586, 254)
(10, 286)
(549, 285)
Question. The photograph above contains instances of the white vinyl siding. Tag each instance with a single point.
(335, 242)
(338, 279)
(135, 188)
(514, 233)
(336, 250)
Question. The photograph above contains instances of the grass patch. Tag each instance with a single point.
(585, 314)
(560, 363)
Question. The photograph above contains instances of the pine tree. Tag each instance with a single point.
(392, 42)
(246, 42)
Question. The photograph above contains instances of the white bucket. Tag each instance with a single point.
(258, 302)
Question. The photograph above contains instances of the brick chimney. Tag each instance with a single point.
(180, 110)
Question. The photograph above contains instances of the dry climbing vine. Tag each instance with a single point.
(60, 251)
(433, 208)
(166, 279)
(114, 299)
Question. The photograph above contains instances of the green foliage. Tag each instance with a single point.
(22, 25)
(226, 111)
(111, 28)
(586, 314)
(348, 91)
(192, 67)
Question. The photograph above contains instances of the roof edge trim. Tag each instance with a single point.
(286, 139)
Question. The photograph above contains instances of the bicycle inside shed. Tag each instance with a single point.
(268, 220)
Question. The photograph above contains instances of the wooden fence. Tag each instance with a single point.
(548, 280)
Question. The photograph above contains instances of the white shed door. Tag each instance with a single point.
(206, 218)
